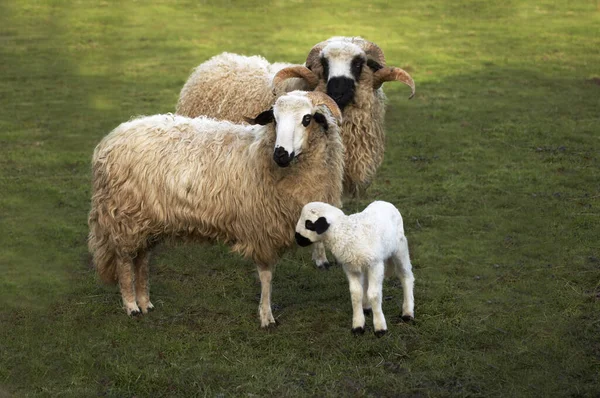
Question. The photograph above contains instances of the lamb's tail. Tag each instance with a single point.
(103, 253)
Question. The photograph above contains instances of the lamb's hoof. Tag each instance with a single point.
(367, 311)
(270, 327)
(358, 331)
(324, 267)
(380, 333)
(407, 318)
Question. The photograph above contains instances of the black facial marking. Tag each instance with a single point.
(356, 67)
(306, 120)
(263, 118)
(321, 119)
(302, 241)
(374, 65)
(325, 65)
(341, 89)
(318, 226)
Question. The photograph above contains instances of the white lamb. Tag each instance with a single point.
(369, 245)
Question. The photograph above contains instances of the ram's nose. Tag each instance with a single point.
(282, 157)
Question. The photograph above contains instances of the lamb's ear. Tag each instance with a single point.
(321, 119)
(263, 118)
(319, 226)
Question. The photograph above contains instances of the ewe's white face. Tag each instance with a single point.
(312, 224)
(293, 114)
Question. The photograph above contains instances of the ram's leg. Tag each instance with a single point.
(126, 279)
(142, 284)
(319, 256)
(374, 293)
(403, 268)
(265, 275)
(356, 295)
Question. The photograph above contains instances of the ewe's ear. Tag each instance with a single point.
(319, 226)
(321, 119)
(263, 118)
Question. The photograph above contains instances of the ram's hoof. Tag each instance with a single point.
(380, 333)
(367, 311)
(358, 331)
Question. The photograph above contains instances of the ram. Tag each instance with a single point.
(171, 176)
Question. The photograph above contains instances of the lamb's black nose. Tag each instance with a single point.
(282, 157)
(302, 241)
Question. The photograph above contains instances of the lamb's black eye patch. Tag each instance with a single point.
(306, 120)
(263, 118)
(319, 226)
(374, 65)
(321, 119)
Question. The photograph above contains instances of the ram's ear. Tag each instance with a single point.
(319, 226)
(321, 119)
(263, 118)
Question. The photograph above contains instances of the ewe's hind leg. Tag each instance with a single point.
(319, 256)
(265, 274)
(374, 294)
(142, 286)
(403, 268)
(125, 273)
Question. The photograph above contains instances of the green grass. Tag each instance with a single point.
(495, 165)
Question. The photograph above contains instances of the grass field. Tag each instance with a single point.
(495, 165)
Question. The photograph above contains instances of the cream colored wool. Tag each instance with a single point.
(230, 86)
(206, 180)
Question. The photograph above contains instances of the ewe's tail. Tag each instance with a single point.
(102, 251)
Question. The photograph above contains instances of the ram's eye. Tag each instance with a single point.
(357, 64)
(325, 66)
(306, 120)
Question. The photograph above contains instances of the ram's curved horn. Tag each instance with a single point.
(389, 74)
(372, 50)
(319, 98)
(313, 55)
(295, 71)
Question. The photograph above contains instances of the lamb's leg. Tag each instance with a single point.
(319, 256)
(264, 308)
(356, 294)
(125, 274)
(365, 298)
(404, 272)
(142, 287)
(375, 295)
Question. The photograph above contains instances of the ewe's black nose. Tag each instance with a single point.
(282, 157)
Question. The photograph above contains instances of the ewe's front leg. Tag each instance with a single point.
(142, 288)
(264, 308)
(356, 294)
(319, 256)
(374, 294)
(125, 276)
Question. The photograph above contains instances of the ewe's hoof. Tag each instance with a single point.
(358, 331)
(380, 333)
(367, 311)
(135, 313)
(407, 318)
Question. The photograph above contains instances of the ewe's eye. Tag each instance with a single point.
(306, 120)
